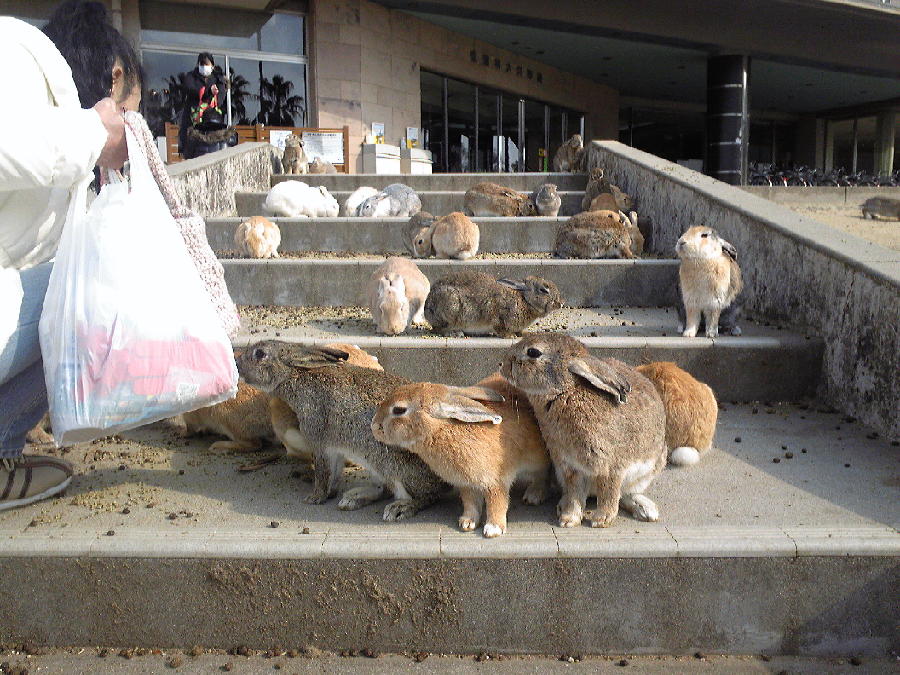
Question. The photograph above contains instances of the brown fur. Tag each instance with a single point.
(294, 160)
(570, 155)
(709, 278)
(597, 187)
(258, 237)
(490, 199)
(244, 419)
(594, 234)
(479, 457)
(319, 165)
(691, 407)
(454, 236)
(603, 422)
(474, 302)
(396, 292)
(41, 432)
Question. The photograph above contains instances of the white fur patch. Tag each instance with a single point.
(492, 530)
(684, 456)
(635, 473)
(641, 507)
(399, 491)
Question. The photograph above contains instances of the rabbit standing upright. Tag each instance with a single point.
(604, 424)
(293, 158)
(709, 280)
(478, 439)
(570, 155)
(334, 404)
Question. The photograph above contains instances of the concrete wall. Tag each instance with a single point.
(207, 184)
(365, 61)
(840, 287)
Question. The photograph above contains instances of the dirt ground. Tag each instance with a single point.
(849, 219)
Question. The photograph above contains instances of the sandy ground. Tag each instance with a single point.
(849, 219)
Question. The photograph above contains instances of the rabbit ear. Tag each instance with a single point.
(316, 357)
(602, 376)
(478, 393)
(520, 286)
(729, 249)
(464, 409)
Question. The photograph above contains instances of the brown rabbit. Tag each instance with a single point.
(293, 159)
(414, 230)
(598, 186)
(244, 419)
(477, 447)
(490, 199)
(604, 424)
(452, 236)
(570, 155)
(691, 411)
(258, 237)
(709, 279)
(594, 234)
(474, 302)
(284, 420)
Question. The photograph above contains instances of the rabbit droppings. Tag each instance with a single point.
(334, 403)
(570, 155)
(490, 199)
(284, 420)
(709, 280)
(293, 158)
(477, 303)
(453, 236)
(691, 411)
(603, 422)
(357, 197)
(396, 293)
(546, 200)
(473, 438)
(595, 234)
(257, 237)
(396, 200)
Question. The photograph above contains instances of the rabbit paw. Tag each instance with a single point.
(688, 332)
(400, 509)
(315, 498)
(492, 530)
(534, 494)
(641, 507)
(712, 332)
(467, 524)
(604, 520)
(571, 516)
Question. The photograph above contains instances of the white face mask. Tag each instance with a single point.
(206, 71)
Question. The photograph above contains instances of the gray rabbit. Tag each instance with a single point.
(334, 403)
(396, 200)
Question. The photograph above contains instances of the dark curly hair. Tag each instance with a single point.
(84, 35)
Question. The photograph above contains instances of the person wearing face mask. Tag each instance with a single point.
(203, 126)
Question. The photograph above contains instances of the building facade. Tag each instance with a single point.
(717, 86)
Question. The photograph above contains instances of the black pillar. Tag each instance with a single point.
(727, 117)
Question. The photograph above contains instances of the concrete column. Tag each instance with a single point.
(884, 142)
(727, 117)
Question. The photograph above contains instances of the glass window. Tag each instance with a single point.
(461, 124)
(267, 92)
(433, 117)
(223, 29)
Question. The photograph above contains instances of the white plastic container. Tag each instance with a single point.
(381, 158)
(415, 161)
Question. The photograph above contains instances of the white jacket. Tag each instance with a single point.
(48, 145)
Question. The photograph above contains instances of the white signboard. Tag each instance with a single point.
(278, 136)
(329, 145)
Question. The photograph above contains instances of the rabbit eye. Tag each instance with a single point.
(259, 354)
(544, 290)
(398, 410)
(534, 352)
(704, 235)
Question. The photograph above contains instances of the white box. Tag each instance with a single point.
(381, 158)
(415, 161)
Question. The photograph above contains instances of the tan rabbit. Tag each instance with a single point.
(258, 237)
(319, 165)
(294, 160)
(637, 237)
(396, 293)
(490, 199)
(691, 411)
(595, 234)
(570, 155)
(474, 302)
(546, 200)
(604, 424)
(244, 419)
(415, 230)
(453, 236)
(709, 278)
(598, 186)
(473, 439)
(284, 420)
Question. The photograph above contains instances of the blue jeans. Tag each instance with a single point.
(23, 394)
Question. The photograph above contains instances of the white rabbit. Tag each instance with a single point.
(288, 199)
(396, 200)
(351, 204)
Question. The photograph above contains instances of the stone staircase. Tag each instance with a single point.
(781, 540)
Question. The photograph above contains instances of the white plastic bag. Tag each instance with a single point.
(128, 333)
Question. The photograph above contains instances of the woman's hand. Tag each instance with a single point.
(214, 89)
(115, 152)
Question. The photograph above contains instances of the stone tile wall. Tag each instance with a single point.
(365, 61)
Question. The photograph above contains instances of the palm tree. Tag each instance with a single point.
(282, 107)
(239, 92)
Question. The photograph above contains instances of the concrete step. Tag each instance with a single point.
(748, 557)
(525, 182)
(765, 363)
(341, 281)
(384, 235)
(436, 203)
